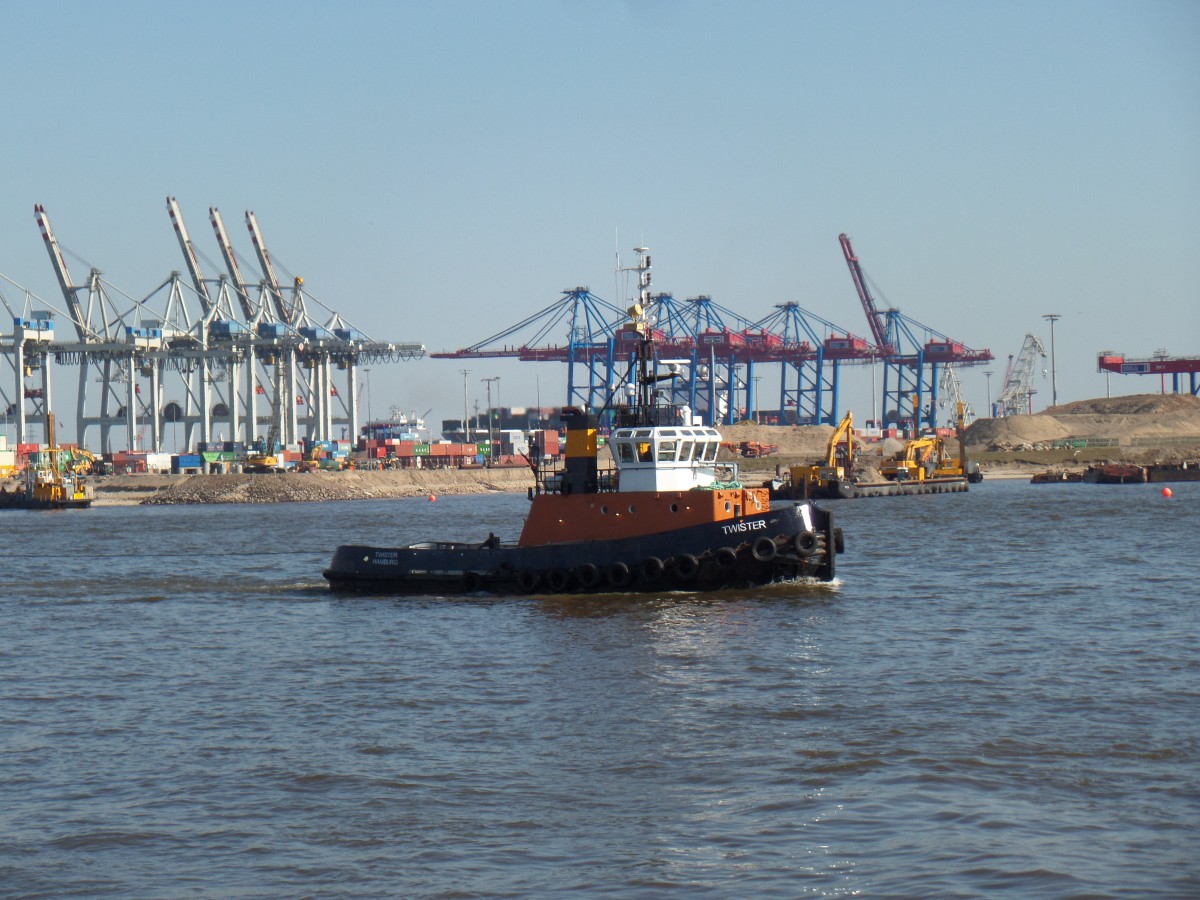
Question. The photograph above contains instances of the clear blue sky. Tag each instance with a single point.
(439, 171)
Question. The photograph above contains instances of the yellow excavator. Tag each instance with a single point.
(264, 460)
(925, 458)
(838, 462)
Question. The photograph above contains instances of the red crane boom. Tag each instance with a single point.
(875, 318)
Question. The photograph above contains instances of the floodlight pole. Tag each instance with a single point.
(1052, 318)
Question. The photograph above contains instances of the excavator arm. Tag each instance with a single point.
(843, 433)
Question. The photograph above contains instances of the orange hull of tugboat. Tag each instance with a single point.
(614, 516)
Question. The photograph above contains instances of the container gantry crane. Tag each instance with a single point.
(713, 350)
(1160, 364)
(586, 323)
(108, 339)
(910, 362)
(137, 350)
(811, 351)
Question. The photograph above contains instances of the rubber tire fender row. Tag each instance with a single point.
(528, 580)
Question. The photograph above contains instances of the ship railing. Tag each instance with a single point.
(551, 479)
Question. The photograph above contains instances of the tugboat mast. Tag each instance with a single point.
(644, 407)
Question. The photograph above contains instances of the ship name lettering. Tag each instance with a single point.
(754, 525)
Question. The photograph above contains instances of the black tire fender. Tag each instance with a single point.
(617, 575)
(685, 566)
(558, 579)
(588, 575)
(472, 581)
(652, 568)
(527, 581)
(764, 549)
(726, 557)
(806, 544)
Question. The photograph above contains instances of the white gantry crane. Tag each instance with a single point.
(951, 385)
(202, 358)
(1015, 397)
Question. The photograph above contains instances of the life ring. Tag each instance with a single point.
(472, 581)
(652, 568)
(588, 575)
(617, 574)
(806, 544)
(558, 579)
(764, 549)
(685, 566)
(527, 581)
(726, 558)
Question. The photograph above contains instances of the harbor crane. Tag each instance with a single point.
(911, 352)
(716, 354)
(1160, 363)
(1016, 397)
(213, 341)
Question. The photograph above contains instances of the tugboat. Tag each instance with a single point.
(46, 485)
(668, 516)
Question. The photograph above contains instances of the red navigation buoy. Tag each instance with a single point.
(432, 497)
(1167, 492)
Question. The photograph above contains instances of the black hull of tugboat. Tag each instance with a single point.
(790, 541)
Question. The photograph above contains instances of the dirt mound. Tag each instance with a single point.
(1016, 431)
(1134, 405)
(1139, 419)
(794, 441)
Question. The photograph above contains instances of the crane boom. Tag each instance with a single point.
(875, 318)
(189, 254)
(268, 270)
(70, 292)
(231, 262)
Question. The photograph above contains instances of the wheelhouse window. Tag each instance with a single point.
(666, 451)
(625, 451)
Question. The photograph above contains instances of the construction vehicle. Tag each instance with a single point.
(263, 458)
(46, 485)
(77, 460)
(925, 458)
(838, 462)
(755, 449)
